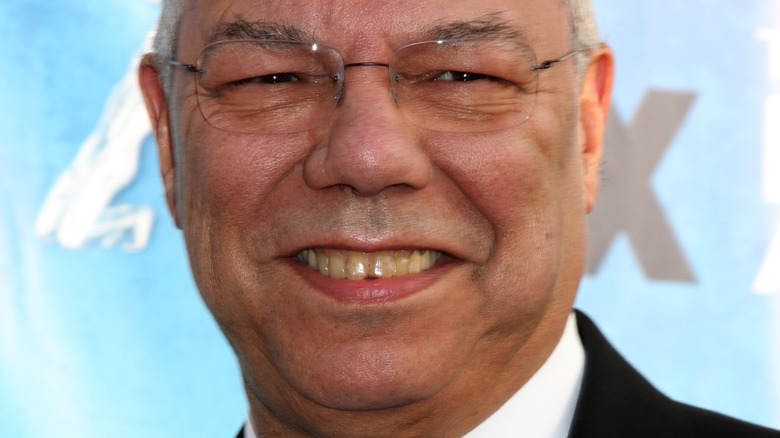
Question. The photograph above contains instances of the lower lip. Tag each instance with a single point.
(381, 290)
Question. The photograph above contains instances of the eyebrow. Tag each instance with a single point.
(486, 27)
(257, 30)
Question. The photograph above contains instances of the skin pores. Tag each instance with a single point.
(430, 353)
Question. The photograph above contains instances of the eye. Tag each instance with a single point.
(460, 76)
(276, 78)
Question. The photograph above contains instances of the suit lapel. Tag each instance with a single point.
(615, 400)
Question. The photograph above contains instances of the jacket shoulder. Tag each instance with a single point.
(616, 401)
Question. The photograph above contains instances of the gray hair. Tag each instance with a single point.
(584, 31)
(165, 41)
(168, 28)
(582, 20)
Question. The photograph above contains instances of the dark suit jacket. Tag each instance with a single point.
(616, 401)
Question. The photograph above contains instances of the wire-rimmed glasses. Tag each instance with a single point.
(272, 86)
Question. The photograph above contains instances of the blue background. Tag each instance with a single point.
(101, 342)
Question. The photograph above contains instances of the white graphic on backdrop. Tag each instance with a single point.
(78, 210)
(768, 280)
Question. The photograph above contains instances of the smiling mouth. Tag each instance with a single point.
(356, 265)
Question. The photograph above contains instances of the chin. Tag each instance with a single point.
(368, 399)
(369, 378)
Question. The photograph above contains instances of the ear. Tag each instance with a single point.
(595, 99)
(157, 106)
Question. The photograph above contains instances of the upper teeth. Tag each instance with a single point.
(356, 265)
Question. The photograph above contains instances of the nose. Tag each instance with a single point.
(370, 146)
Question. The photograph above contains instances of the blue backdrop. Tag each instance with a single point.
(102, 332)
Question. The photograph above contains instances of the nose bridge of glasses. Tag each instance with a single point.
(366, 64)
(340, 98)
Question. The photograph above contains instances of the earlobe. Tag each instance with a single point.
(595, 100)
(157, 107)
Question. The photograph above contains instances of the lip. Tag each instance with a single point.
(374, 291)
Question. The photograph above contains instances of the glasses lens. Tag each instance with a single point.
(465, 86)
(256, 86)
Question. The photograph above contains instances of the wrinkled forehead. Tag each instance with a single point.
(373, 28)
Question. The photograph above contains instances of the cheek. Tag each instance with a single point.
(229, 180)
(520, 182)
(510, 178)
(231, 177)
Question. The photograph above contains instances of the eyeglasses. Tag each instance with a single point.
(271, 86)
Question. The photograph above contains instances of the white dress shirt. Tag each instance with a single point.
(544, 406)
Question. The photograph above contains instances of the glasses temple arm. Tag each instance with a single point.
(189, 67)
(549, 63)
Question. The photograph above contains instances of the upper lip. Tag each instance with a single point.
(407, 229)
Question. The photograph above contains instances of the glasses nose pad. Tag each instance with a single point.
(339, 80)
(395, 79)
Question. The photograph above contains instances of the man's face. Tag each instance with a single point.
(505, 208)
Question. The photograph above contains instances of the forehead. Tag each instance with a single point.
(374, 27)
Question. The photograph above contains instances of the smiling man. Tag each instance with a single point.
(384, 207)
